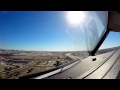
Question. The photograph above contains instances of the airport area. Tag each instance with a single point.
(15, 63)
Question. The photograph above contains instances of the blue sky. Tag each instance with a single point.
(42, 31)
(112, 40)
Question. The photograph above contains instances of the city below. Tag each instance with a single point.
(16, 63)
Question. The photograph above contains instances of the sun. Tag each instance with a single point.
(75, 17)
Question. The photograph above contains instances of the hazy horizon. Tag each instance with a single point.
(55, 51)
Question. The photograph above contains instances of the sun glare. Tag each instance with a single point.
(75, 17)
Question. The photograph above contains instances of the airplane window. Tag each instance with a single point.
(112, 42)
(37, 41)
